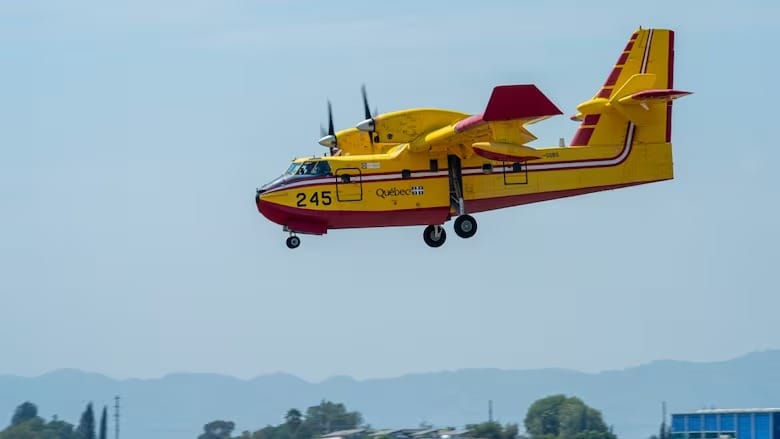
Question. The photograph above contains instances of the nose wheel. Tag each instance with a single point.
(293, 242)
(465, 226)
(434, 236)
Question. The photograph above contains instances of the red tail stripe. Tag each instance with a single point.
(591, 119)
(670, 84)
(582, 136)
(612, 79)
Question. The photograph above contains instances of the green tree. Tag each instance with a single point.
(217, 430)
(60, 429)
(293, 421)
(24, 412)
(103, 432)
(511, 431)
(486, 430)
(493, 430)
(37, 428)
(328, 417)
(559, 417)
(293, 418)
(86, 428)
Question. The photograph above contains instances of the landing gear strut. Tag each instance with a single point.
(465, 226)
(434, 236)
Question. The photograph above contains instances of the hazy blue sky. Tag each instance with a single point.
(133, 135)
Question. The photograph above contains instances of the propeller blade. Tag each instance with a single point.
(331, 131)
(366, 110)
(368, 124)
(323, 133)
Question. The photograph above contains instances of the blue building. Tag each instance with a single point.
(726, 423)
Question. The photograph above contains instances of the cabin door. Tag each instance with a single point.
(349, 184)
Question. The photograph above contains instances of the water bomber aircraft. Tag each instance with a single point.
(426, 166)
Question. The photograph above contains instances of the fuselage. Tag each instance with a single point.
(401, 188)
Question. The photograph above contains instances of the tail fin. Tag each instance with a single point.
(638, 91)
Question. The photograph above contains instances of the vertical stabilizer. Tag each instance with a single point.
(636, 98)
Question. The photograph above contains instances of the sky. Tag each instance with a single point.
(133, 136)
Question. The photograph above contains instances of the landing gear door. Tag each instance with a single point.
(349, 184)
(515, 173)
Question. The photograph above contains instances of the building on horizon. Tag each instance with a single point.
(727, 424)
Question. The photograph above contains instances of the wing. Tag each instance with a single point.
(497, 134)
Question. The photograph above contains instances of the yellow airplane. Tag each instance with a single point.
(424, 166)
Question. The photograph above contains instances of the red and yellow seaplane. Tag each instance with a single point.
(425, 166)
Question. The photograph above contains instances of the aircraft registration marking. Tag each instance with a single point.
(316, 198)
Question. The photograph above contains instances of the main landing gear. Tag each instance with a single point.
(465, 227)
(434, 236)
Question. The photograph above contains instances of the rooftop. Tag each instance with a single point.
(344, 432)
(717, 411)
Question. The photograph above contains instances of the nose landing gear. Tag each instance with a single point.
(293, 242)
(434, 236)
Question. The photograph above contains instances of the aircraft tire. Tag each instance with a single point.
(429, 236)
(465, 226)
(293, 242)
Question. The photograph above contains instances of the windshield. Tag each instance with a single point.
(314, 167)
(293, 168)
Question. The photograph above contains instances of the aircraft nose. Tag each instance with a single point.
(259, 200)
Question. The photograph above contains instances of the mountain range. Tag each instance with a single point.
(177, 406)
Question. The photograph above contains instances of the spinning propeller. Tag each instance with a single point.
(330, 140)
(368, 125)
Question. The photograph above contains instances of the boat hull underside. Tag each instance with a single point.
(319, 221)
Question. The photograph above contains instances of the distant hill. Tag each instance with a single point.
(177, 406)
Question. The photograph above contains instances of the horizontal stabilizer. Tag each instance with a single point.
(505, 152)
(509, 102)
(654, 95)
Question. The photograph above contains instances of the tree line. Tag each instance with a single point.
(26, 424)
(553, 417)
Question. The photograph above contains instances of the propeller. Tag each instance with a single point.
(368, 125)
(329, 139)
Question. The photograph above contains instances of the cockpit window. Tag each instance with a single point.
(314, 168)
(293, 168)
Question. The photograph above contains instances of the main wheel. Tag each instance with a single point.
(293, 242)
(434, 236)
(465, 226)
